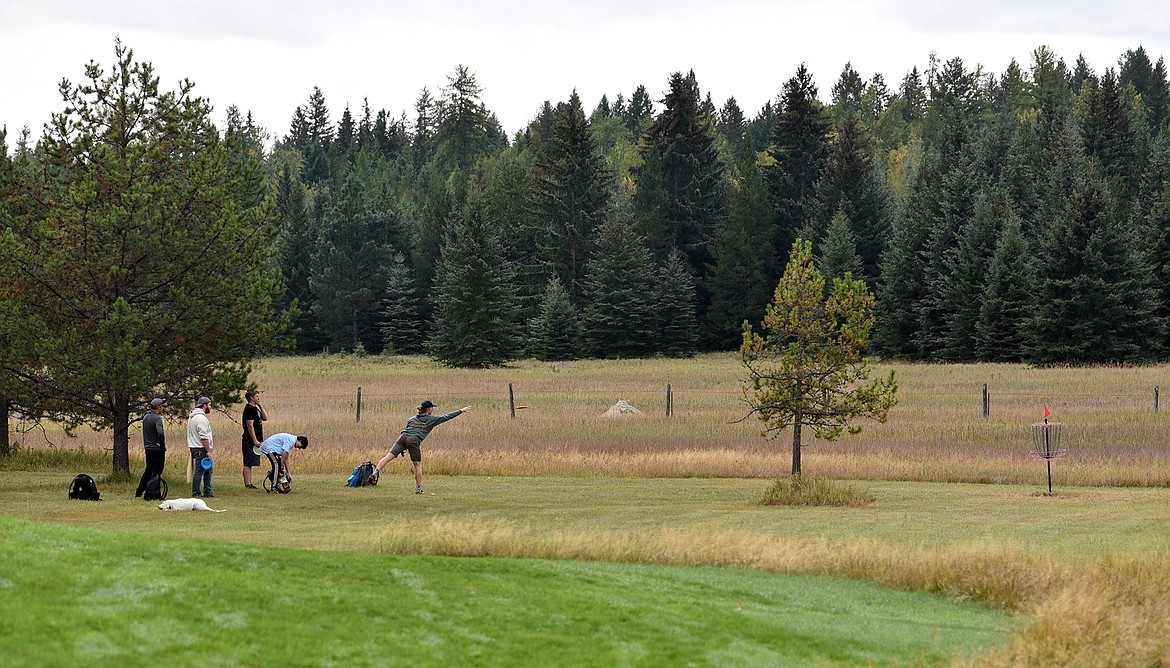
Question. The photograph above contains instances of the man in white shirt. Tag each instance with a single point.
(277, 448)
(199, 441)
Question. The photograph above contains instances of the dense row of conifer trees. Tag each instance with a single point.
(1015, 216)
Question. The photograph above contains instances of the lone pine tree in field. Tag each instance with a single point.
(805, 368)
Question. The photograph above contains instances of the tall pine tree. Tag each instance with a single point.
(569, 197)
(741, 283)
(555, 333)
(1096, 300)
(476, 321)
(621, 313)
(799, 147)
(1008, 299)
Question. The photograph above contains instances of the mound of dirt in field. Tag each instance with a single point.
(621, 409)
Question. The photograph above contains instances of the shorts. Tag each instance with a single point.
(250, 456)
(410, 443)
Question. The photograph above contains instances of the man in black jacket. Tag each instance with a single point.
(155, 442)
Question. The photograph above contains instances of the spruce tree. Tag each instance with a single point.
(1110, 139)
(295, 247)
(760, 127)
(463, 131)
(1096, 301)
(740, 282)
(401, 325)
(902, 285)
(621, 317)
(838, 252)
(476, 320)
(509, 185)
(682, 140)
(846, 94)
(1149, 82)
(799, 147)
(1153, 223)
(569, 197)
(348, 271)
(422, 139)
(952, 207)
(639, 112)
(968, 274)
(1008, 299)
(853, 183)
(676, 308)
(555, 333)
(732, 125)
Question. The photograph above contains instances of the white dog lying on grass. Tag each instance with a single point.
(187, 504)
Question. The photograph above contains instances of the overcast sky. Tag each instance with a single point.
(265, 56)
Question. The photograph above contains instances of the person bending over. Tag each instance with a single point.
(278, 448)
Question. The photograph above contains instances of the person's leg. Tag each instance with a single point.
(274, 463)
(207, 483)
(395, 450)
(146, 476)
(160, 461)
(197, 476)
(417, 477)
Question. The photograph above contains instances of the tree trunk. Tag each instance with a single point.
(796, 447)
(121, 435)
(5, 446)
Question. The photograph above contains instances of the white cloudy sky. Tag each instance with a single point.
(266, 56)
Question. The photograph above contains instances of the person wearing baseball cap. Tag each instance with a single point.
(411, 438)
(154, 441)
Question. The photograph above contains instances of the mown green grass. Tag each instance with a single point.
(1076, 525)
(74, 595)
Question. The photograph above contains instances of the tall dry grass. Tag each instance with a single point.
(936, 433)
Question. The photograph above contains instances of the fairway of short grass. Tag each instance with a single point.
(1084, 566)
(75, 595)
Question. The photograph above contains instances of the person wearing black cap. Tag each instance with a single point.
(154, 441)
(417, 428)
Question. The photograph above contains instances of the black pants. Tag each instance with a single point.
(155, 458)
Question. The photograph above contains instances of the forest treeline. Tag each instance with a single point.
(1014, 216)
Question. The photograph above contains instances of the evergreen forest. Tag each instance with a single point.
(1015, 216)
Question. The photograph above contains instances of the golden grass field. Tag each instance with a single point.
(936, 432)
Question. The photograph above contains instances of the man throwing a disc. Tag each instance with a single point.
(417, 429)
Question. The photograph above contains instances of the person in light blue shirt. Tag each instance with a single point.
(278, 448)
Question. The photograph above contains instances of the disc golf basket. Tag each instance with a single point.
(1046, 445)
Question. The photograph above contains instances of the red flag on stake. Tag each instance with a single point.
(1046, 411)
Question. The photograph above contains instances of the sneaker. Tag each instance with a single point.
(418, 489)
(249, 486)
(195, 495)
(208, 495)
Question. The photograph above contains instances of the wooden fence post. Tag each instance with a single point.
(1155, 400)
(986, 402)
(512, 401)
(669, 400)
(359, 406)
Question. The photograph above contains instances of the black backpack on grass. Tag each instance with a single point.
(83, 487)
(156, 489)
